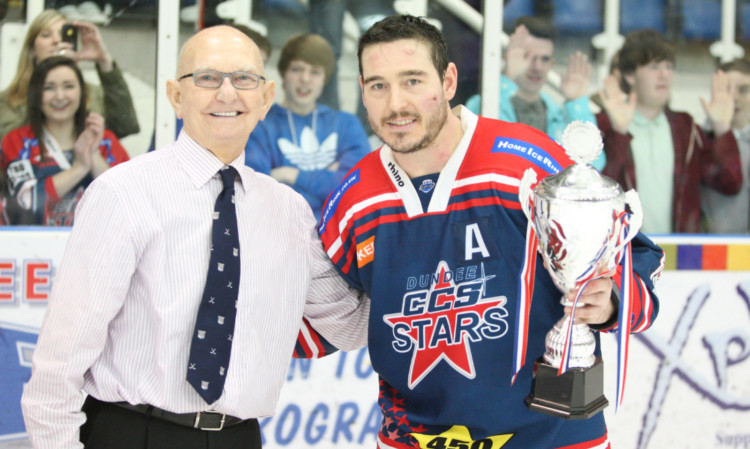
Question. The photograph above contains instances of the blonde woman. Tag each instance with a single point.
(44, 39)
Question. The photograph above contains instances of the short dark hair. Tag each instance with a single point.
(538, 27)
(260, 40)
(736, 65)
(314, 49)
(35, 116)
(397, 27)
(641, 47)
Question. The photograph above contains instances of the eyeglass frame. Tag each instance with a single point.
(224, 75)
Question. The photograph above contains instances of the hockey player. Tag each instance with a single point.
(430, 226)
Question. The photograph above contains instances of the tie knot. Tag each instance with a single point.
(228, 173)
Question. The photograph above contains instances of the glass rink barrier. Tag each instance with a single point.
(687, 379)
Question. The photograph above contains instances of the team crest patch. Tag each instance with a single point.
(427, 185)
(440, 322)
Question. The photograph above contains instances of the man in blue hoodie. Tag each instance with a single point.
(528, 60)
(306, 145)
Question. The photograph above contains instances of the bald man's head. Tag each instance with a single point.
(220, 118)
(220, 32)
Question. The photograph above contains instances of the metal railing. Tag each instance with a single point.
(488, 23)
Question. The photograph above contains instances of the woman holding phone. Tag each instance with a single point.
(44, 38)
(49, 162)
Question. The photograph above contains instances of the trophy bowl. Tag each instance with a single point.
(577, 216)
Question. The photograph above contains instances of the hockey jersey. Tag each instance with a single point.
(30, 175)
(443, 281)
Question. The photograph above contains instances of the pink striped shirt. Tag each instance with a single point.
(125, 299)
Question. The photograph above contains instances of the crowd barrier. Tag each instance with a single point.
(688, 381)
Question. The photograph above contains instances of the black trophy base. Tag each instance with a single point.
(576, 394)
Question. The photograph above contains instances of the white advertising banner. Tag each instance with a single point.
(688, 380)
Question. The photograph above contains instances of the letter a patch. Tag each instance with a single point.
(474, 241)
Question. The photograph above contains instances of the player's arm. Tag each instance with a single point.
(310, 344)
(648, 263)
(336, 310)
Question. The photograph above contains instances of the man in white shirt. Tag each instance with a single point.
(124, 305)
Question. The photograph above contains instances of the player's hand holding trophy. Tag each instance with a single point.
(583, 222)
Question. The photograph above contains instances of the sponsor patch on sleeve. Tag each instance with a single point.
(333, 201)
(366, 252)
(532, 153)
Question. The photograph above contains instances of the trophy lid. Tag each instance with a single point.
(580, 182)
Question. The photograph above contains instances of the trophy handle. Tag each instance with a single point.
(633, 200)
(525, 191)
(635, 220)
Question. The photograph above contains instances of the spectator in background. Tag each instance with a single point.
(264, 45)
(44, 39)
(50, 161)
(730, 214)
(306, 145)
(596, 97)
(464, 48)
(528, 60)
(4, 220)
(327, 20)
(660, 151)
(98, 12)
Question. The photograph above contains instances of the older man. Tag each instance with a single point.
(175, 342)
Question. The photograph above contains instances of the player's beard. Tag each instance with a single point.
(433, 125)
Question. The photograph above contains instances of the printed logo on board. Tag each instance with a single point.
(727, 348)
(16, 348)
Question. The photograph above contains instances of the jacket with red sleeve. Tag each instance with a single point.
(699, 159)
(30, 175)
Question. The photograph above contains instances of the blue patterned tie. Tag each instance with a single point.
(212, 339)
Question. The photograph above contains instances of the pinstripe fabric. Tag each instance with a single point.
(126, 295)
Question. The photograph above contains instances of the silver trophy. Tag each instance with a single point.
(577, 215)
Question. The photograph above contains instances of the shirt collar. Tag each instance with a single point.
(742, 133)
(201, 164)
(640, 120)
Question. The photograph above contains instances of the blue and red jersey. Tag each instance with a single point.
(24, 165)
(443, 280)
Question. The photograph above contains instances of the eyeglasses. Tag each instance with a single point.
(212, 79)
